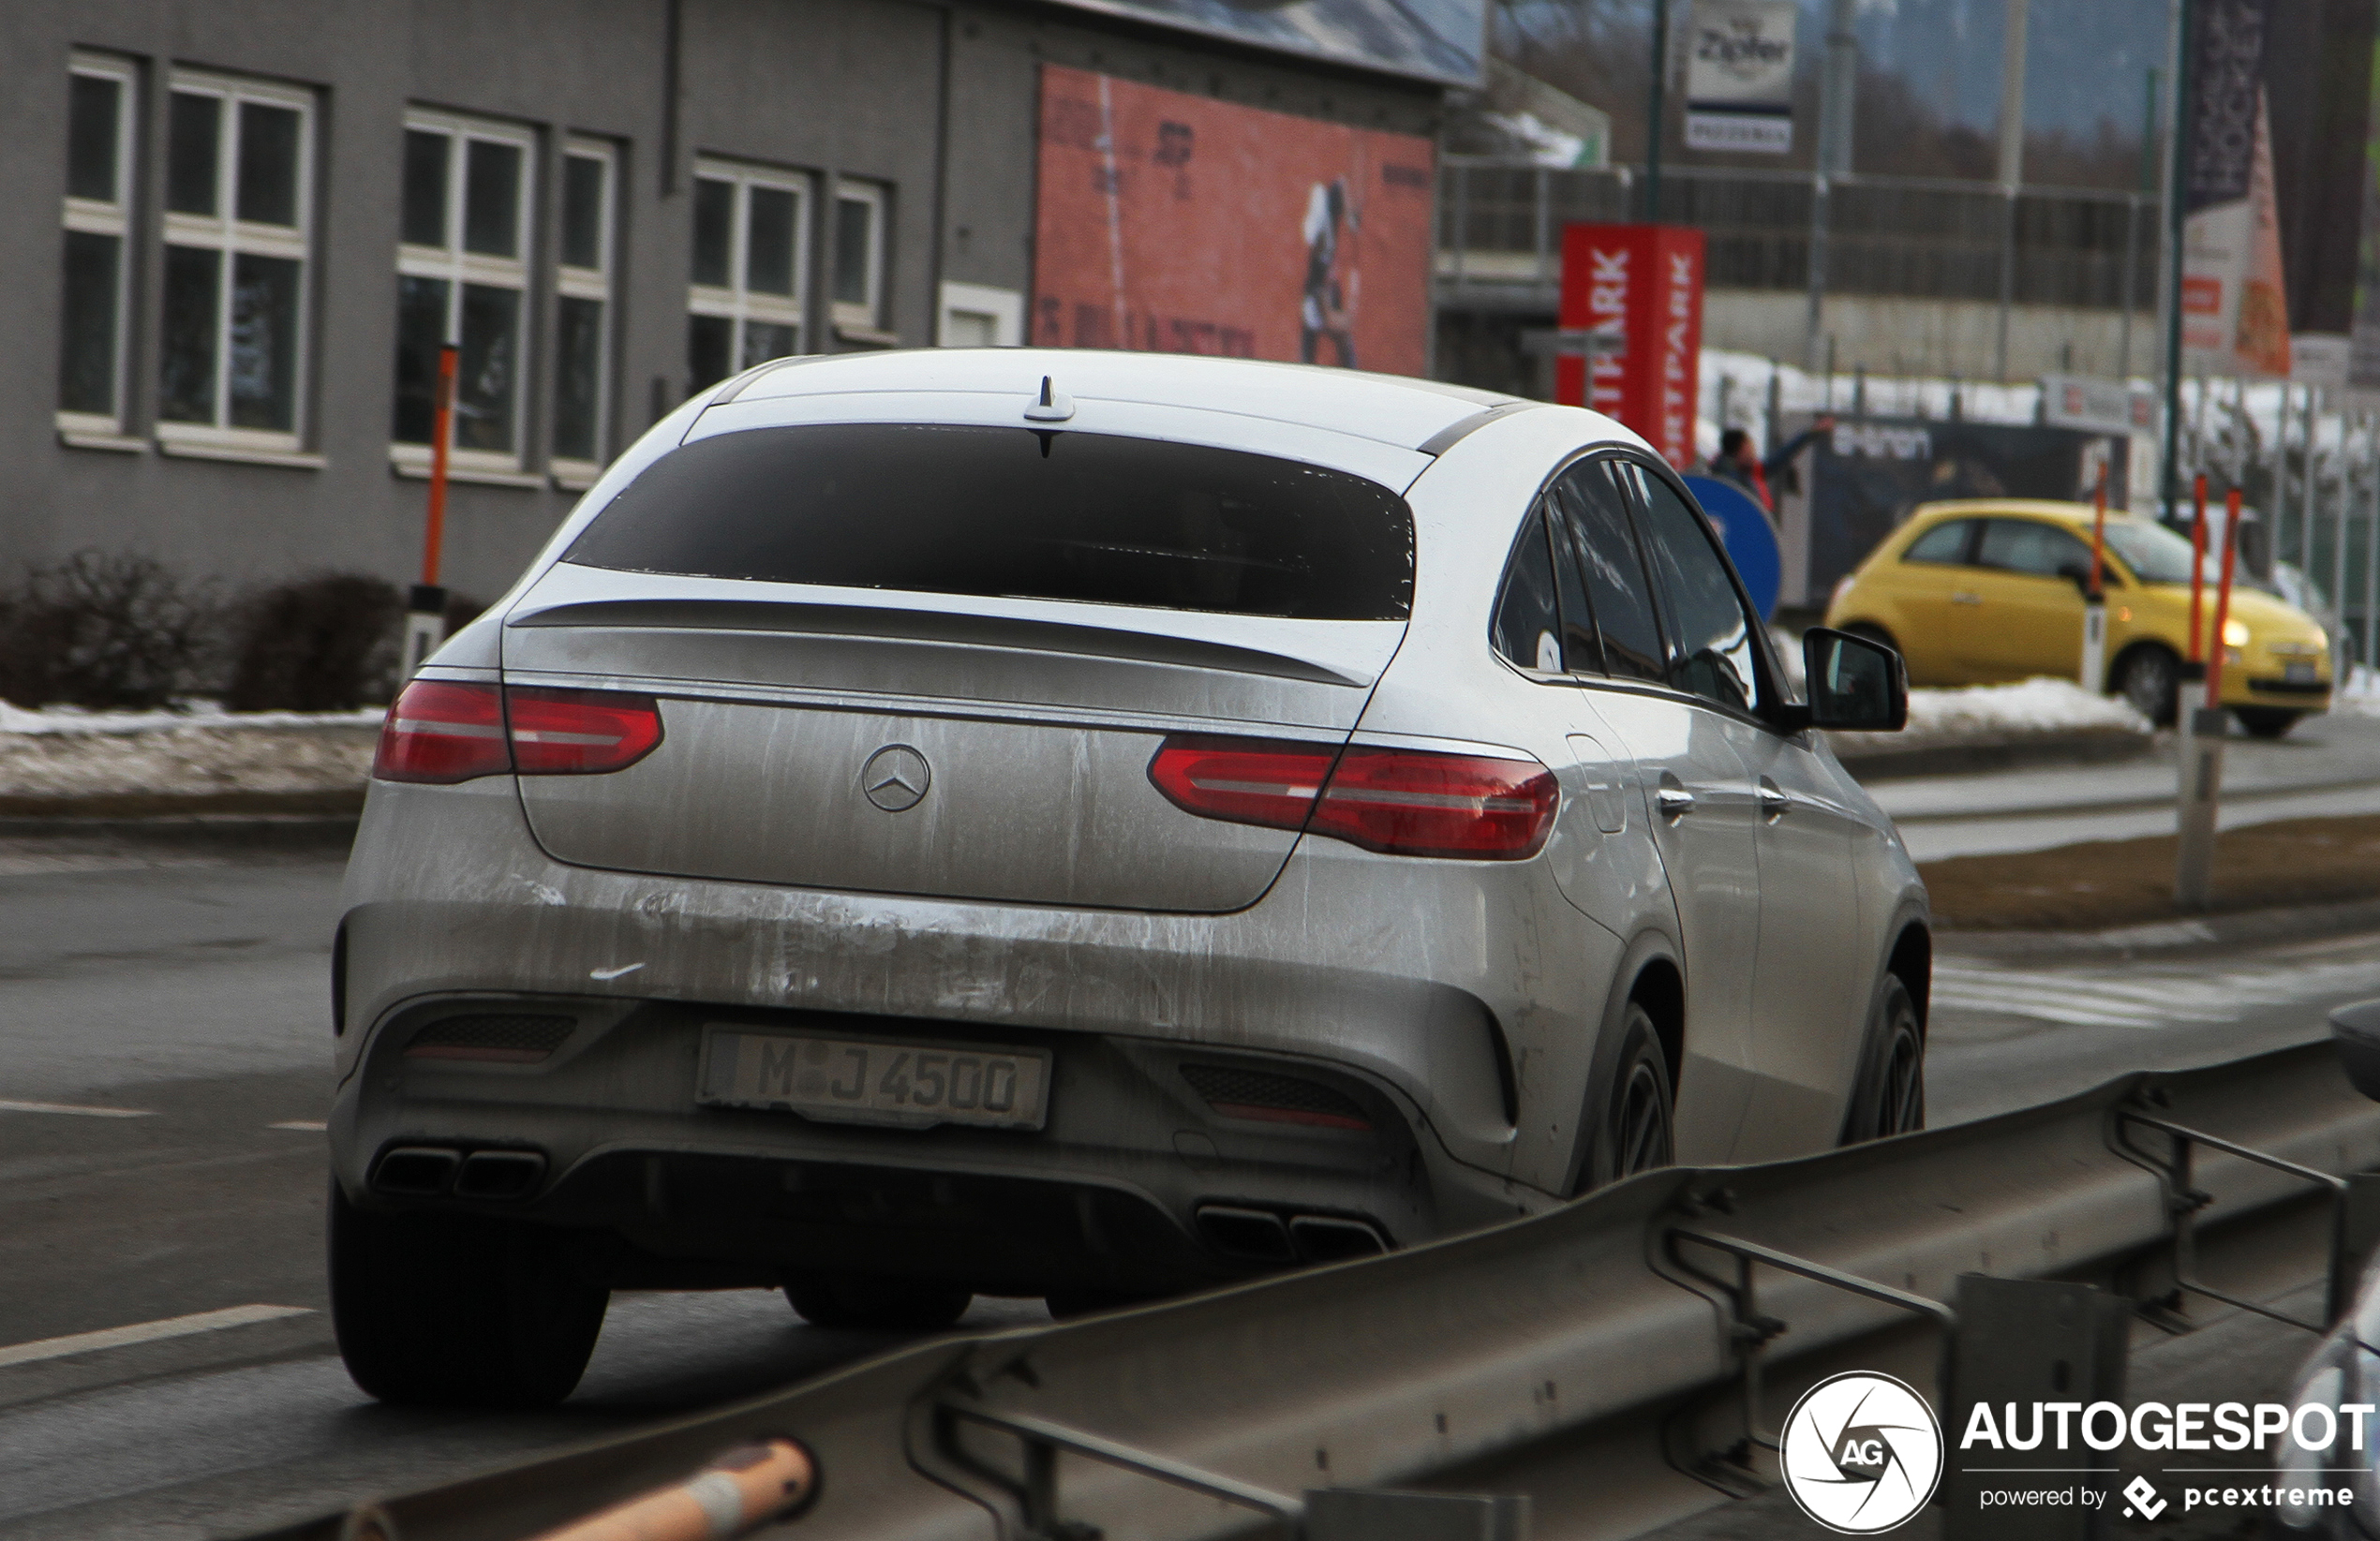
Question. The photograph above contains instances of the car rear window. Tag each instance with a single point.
(1016, 511)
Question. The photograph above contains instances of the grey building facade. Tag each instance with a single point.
(244, 227)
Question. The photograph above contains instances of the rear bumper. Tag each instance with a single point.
(1135, 1183)
(1348, 973)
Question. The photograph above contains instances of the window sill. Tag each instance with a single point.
(870, 337)
(575, 475)
(292, 460)
(419, 470)
(87, 438)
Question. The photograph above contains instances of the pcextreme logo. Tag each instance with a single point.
(1862, 1453)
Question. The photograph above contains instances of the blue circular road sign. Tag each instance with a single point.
(1750, 538)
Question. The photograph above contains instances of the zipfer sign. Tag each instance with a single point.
(1864, 1453)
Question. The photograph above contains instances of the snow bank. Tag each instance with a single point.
(197, 751)
(2033, 706)
(1997, 714)
(2361, 694)
(182, 714)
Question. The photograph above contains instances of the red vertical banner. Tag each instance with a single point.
(1636, 290)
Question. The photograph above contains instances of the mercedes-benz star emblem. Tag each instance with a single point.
(895, 778)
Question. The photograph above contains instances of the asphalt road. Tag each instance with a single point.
(163, 1046)
(2327, 767)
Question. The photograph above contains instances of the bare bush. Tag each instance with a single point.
(103, 630)
(326, 642)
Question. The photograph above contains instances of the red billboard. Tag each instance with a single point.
(1637, 291)
(1178, 224)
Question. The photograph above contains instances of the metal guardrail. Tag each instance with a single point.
(1589, 1359)
(1915, 237)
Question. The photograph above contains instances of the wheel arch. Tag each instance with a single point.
(1650, 975)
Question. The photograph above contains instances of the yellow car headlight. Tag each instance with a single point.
(2234, 633)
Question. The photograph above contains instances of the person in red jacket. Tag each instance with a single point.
(1741, 463)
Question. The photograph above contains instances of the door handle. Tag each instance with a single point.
(1964, 596)
(1775, 804)
(1673, 802)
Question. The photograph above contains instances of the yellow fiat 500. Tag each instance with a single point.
(1990, 590)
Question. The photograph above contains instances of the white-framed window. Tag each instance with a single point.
(462, 277)
(582, 309)
(859, 257)
(980, 316)
(750, 250)
(239, 178)
(97, 237)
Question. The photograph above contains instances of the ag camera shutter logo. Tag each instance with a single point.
(1862, 1453)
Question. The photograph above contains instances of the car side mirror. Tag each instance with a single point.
(1855, 684)
(2076, 574)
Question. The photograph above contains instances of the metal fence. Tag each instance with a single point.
(2310, 469)
(1588, 1359)
(1908, 237)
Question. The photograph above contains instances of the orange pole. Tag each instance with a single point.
(738, 1493)
(2099, 532)
(2198, 559)
(2222, 596)
(441, 430)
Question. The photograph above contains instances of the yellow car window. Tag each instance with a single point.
(2031, 547)
(1945, 545)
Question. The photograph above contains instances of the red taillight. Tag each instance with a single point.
(441, 730)
(1403, 802)
(1417, 803)
(1243, 780)
(580, 733)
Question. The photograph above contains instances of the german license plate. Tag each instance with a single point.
(854, 1080)
(2297, 674)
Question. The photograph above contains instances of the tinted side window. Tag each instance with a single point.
(1595, 508)
(1707, 620)
(1943, 545)
(1528, 628)
(939, 509)
(1582, 643)
(2027, 545)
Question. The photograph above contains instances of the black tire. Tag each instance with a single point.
(1889, 1096)
(460, 1310)
(875, 1304)
(2266, 722)
(1635, 1128)
(2150, 678)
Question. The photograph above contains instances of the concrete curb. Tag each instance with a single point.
(2243, 928)
(293, 831)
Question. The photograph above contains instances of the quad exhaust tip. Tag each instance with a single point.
(1260, 1235)
(430, 1171)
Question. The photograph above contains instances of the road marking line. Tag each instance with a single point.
(303, 1126)
(145, 1332)
(7, 1106)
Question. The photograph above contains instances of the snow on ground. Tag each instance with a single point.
(64, 752)
(1998, 714)
(192, 713)
(2361, 694)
